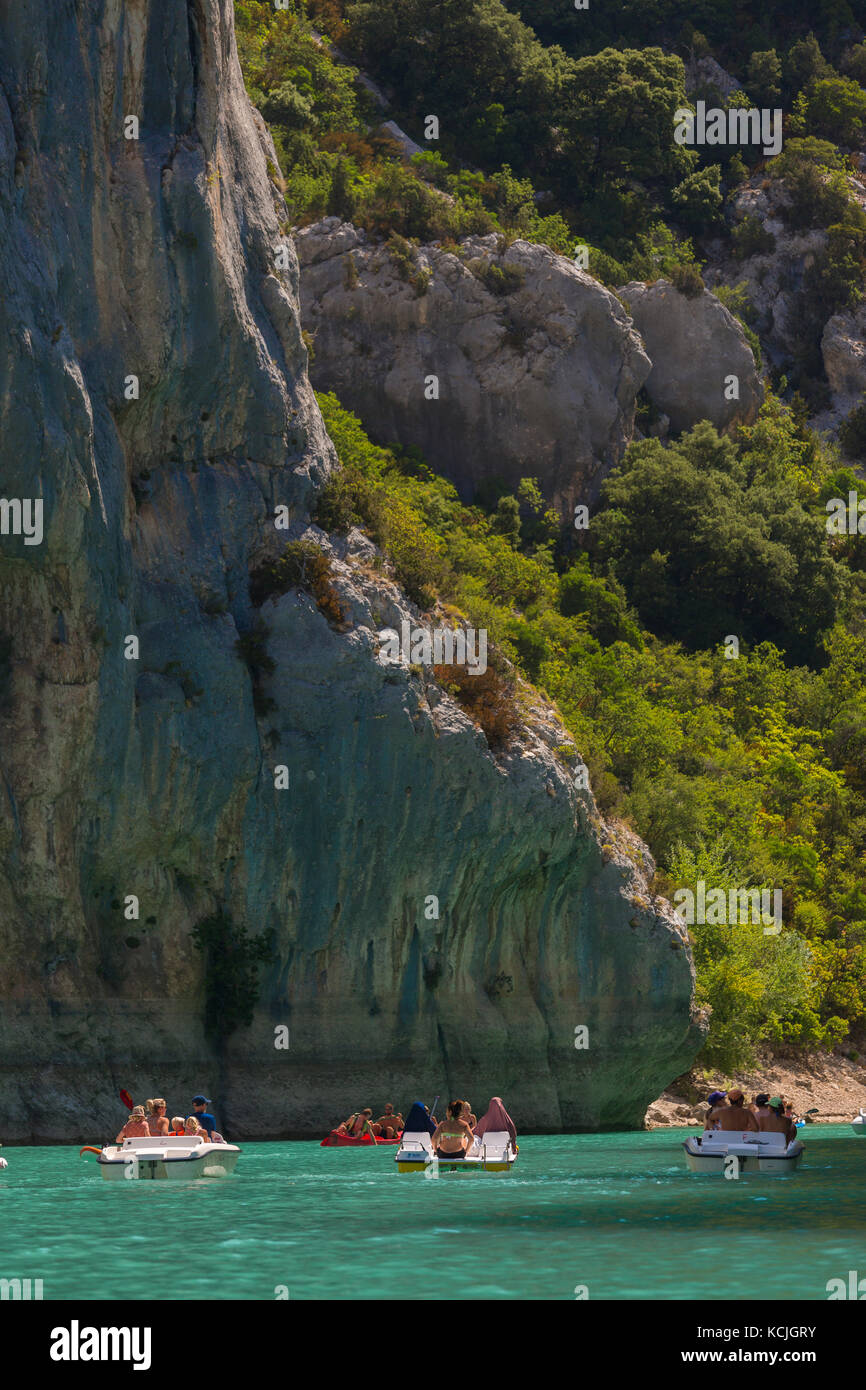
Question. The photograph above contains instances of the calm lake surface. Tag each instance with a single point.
(618, 1213)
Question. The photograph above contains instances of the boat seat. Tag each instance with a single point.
(418, 1140)
(493, 1144)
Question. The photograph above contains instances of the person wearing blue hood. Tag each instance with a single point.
(418, 1120)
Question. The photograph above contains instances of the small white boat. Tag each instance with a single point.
(183, 1156)
(492, 1153)
(859, 1125)
(764, 1152)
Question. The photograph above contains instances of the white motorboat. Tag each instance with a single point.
(763, 1152)
(492, 1153)
(183, 1156)
(859, 1125)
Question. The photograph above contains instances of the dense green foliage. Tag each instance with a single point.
(745, 772)
(555, 125)
(706, 544)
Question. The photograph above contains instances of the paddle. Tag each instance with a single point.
(126, 1098)
(432, 1108)
(813, 1111)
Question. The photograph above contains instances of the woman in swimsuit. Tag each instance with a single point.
(157, 1118)
(467, 1115)
(453, 1136)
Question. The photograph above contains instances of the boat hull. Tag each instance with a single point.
(468, 1167)
(859, 1126)
(213, 1161)
(751, 1158)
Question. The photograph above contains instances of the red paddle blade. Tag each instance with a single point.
(126, 1098)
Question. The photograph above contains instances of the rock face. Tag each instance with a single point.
(843, 346)
(773, 277)
(694, 344)
(537, 364)
(138, 790)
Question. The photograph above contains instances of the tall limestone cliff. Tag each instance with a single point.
(154, 399)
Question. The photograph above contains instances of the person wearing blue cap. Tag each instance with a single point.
(715, 1098)
(203, 1115)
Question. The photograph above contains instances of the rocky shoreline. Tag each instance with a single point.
(832, 1082)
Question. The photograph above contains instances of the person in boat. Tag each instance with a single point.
(714, 1099)
(418, 1120)
(467, 1115)
(495, 1121)
(389, 1125)
(358, 1125)
(453, 1136)
(177, 1125)
(202, 1114)
(732, 1116)
(157, 1119)
(136, 1126)
(777, 1122)
(760, 1109)
(789, 1112)
(192, 1126)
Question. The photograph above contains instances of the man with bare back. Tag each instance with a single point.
(733, 1116)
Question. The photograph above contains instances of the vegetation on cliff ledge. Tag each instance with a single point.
(746, 772)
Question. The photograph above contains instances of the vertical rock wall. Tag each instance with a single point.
(154, 258)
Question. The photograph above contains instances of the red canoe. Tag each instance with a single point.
(345, 1141)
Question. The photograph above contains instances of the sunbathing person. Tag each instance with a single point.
(732, 1116)
(136, 1126)
(388, 1125)
(467, 1115)
(453, 1136)
(496, 1120)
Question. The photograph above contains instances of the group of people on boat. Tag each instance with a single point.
(728, 1111)
(388, 1126)
(453, 1137)
(151, 1120)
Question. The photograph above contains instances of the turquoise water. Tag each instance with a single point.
(618, 1213)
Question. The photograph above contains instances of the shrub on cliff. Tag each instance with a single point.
(488, 699)
(302, 565)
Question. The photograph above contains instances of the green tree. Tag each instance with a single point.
(701, 553)
(837, 109)
(764, 77)
(698, 199)
(617, 117)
